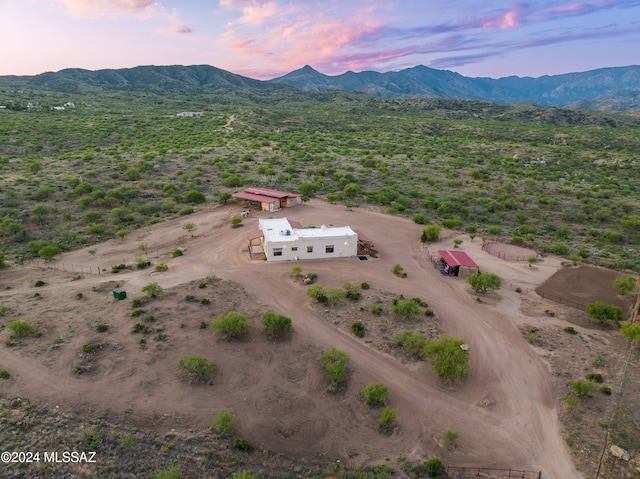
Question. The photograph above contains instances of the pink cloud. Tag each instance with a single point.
(97, 8)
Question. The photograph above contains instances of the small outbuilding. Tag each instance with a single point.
(456, 263)
(269, 200)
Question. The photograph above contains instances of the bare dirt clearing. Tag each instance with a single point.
(507, 413)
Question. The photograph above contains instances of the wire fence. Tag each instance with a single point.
(490, 473)
(510, 255)
(561, 300)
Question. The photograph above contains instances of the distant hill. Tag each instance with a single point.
(610, 89)
(607, 88)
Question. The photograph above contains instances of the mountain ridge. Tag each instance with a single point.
(609, 89)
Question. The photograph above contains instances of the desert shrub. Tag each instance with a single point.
(407, 308)
(604, 312)
(598, 362)
(336, 364)
(413, 343)
(358, 329)
(140, 328)
(177, 252)
(448, 358)
(205, 301)
(434, 467)
(189, 298)
(149, 318)
(375, 308)
(375, 394)
(582, 388)
(296, 270)
(570, 330)
(4, 374)
(352, 291)
(605, 390)
(136, 303)
(429, 312)
(364, 285)
(318, 293)
(128, 441)
(335, 295)
(119, 267)
(625, 285)
(202, 285)
(387, 418)
(20, 329)
(449, 438)
(161, 267)
(276, 325)
(171, 473)
(631, 332)
(243, 445)
(198, 368)
(595, 377)
(88, 348)
(4, 309)
(137, 312)
(230, 325)
(398, 269)
(430, 233)
(203, 325)
(152, 289)
(39, 283)
(224, 424)
(242, 475)
(101, 328)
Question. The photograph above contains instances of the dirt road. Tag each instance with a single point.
(519, 429)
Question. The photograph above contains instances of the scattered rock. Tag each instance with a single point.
(620, 453)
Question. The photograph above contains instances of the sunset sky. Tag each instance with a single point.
(265, 39)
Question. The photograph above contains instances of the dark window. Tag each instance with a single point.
(328, 248)
(309, 249)
(277, 251)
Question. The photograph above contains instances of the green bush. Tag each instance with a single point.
(140, 328)
(276, 325)
(136, 303)
(571, 330)
(605, 390)
(358, 329)
(595, 377)
(243, 445)
(375, 394)
(205, 301)
(177, 252)
(171, 473)
(137, 312)
(88, 348)
(336, 364)
(230, 325)
(582, 388)
(20, 329)
(4, 374)
(375, 308)
(481, 282)
(39, 283)
(318, 293)
(434, 467)
(364, 285)
(604, 312)
(448, 358)
(413, 343)
(101, 328)
(152, 289)
(407, 308)
(352, 291)
(224, 424)
(198, 368)
(161, 267)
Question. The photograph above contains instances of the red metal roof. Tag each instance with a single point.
(457, 258)
(254, 197)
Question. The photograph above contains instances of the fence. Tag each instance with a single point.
(561, 300)
(510, 256)
(76, 268)
(490, 473)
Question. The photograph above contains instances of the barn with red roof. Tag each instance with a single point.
(455, 263)
(268, 200)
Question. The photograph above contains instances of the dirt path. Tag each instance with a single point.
(520, 429)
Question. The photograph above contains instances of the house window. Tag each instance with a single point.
(309, 249)
(277, 251)
(328, 248)
(294, 248)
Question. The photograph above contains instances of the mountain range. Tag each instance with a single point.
(611, 89)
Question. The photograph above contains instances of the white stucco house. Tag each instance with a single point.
(281, 240)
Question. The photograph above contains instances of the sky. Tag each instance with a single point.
(266, 39)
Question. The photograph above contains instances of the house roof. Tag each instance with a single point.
(457, 258)
(361, 236)
(264, 194)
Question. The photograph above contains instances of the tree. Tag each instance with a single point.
(336, 364)
(40, 212)
(631, 331)
(230, 325)
(375, 394)
(189, 227)
(197, 367)
(224, 197)
(387, 418)
(604, 312)
(482, 282)
(224, 424)
(193, 196)
(48, 252)
(121, 234)
(625, 285)
(11, 227)
(434, 467)
(449, 358)
(407, 308)
(276, 325)
(152, 289)
(582, 388)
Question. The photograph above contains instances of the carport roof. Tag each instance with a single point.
(457, 258)
(264, 195)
